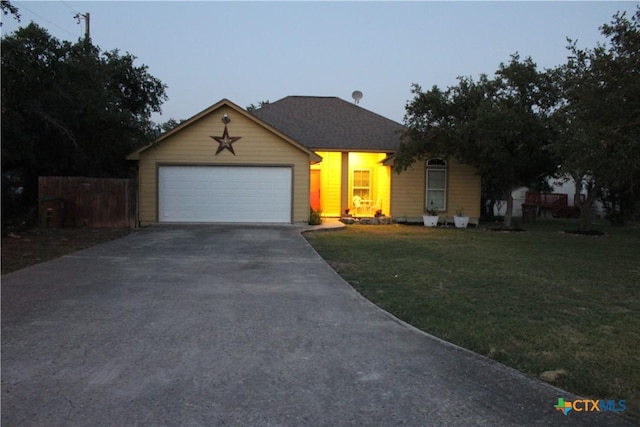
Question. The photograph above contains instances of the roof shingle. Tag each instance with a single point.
(330, 123)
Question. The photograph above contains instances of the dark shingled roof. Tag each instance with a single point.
(330, 123)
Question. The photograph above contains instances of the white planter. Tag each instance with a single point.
(430, 221)
(461, 221)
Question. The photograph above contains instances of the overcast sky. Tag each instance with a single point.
(252, 51)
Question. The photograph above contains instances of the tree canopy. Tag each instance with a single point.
(522, 125)
(496, 124)
(251, 108)
(597, 119)
(7, 8)
(70, 109)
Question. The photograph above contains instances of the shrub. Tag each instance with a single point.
(315, 217)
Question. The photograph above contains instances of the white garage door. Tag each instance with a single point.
(224, 194)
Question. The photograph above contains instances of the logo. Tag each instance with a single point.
(563, 406)
(589, 405)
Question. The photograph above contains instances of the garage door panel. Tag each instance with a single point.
(224, 194)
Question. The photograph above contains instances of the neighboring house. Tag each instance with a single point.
(271, 165)
(563, 185)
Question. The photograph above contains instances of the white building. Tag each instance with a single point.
(558, 185)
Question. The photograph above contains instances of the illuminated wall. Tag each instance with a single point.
(367, 178)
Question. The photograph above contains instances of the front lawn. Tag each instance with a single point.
(560, 307)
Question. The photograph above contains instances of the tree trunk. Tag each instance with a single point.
(489, 207)
(508, 215)
(586, 215)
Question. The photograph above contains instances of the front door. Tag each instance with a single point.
(314, 196)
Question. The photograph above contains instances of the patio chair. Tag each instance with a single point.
(378, 205)
(357, 204)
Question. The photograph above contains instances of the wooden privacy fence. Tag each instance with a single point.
(93, 202)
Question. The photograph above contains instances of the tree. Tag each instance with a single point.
(7, 8)
(70, 109)
(495, 124)
(597, 119)
(251, 108)
(168, 125)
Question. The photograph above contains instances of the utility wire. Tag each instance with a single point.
(69, 6)
(22, 6)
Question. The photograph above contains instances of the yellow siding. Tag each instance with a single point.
(464, 189)
(380, 183)
(330, 182)
(383, 186)
(194, 145)
(408, 191)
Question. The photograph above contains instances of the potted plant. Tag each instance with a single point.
(431, 218)
(315, 217)
(460, 220)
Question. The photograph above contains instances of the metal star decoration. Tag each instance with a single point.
(225, 140)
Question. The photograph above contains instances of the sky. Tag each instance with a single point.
(249, 52)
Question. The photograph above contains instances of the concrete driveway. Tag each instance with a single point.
(243, 326)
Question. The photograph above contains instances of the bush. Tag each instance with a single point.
(315, 218)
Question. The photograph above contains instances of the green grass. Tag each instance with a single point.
(538, 300)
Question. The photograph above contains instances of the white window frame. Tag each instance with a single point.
(434, 165)
(354, 187)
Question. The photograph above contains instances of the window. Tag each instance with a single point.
(436, 197)
(362, 183)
